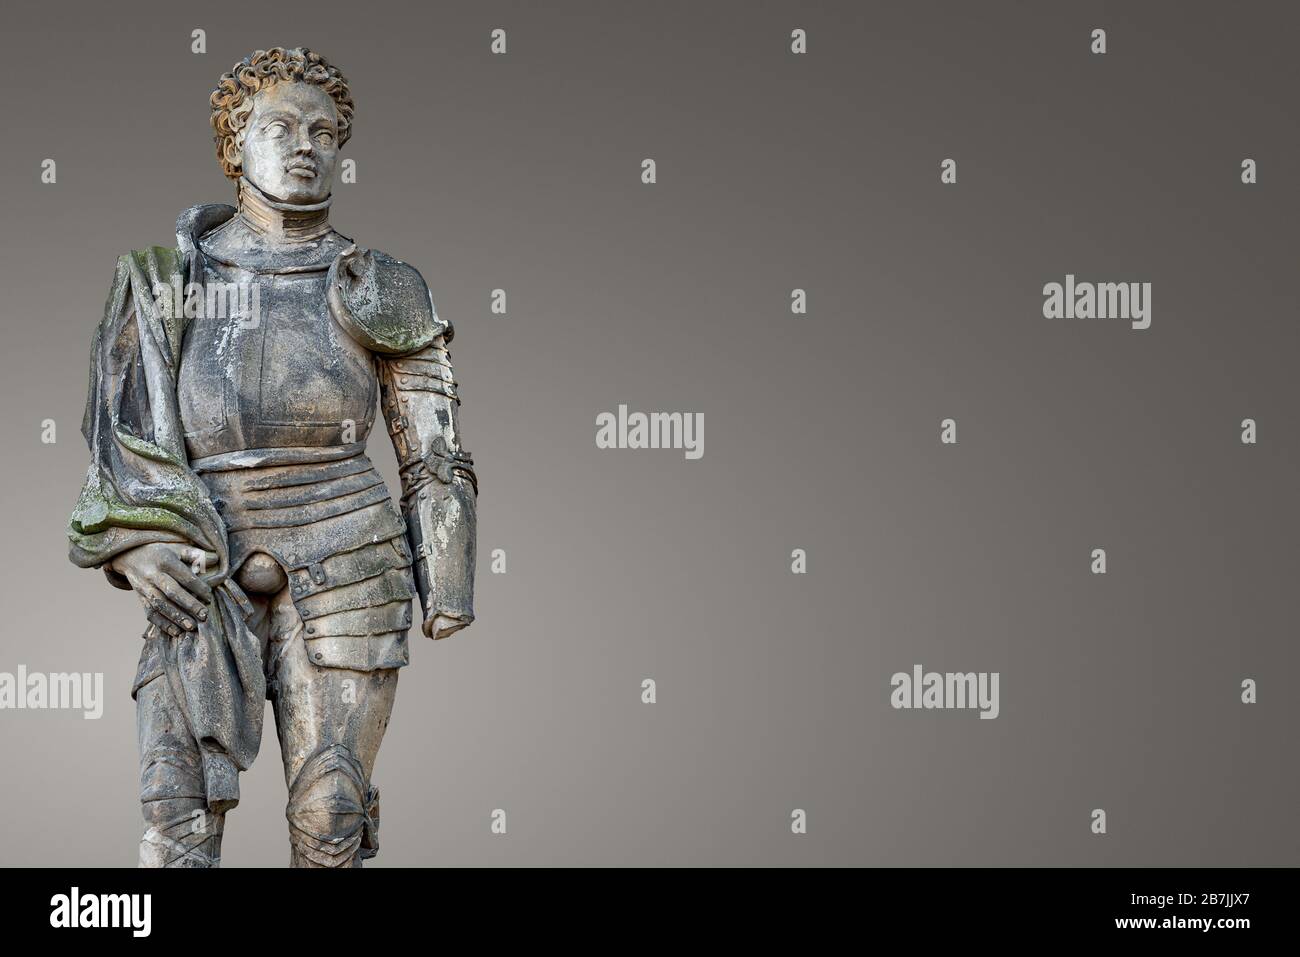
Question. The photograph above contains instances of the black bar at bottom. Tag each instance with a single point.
(653, 905)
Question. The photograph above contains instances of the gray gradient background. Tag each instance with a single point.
(775, 171)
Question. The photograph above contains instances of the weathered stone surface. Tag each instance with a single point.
(233, 387)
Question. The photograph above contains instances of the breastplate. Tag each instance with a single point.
(266, 366)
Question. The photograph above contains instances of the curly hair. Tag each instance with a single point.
(232, 100)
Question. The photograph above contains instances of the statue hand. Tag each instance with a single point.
(166, 584)
(440, 626)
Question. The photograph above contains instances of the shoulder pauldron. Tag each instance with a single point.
(383, 303)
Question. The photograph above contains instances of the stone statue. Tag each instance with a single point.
(233, 383)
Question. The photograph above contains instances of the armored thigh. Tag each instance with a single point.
(180, 829)
(330, 723)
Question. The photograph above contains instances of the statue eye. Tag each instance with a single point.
(325, 137)
(275, 129)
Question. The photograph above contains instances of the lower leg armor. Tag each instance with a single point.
(180, 831)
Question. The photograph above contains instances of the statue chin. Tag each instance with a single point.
(292, 191)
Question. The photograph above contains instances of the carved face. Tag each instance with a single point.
(291, 142)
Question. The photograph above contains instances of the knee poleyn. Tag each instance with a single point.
(332, 811)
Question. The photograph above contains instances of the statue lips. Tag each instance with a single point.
(303, 170)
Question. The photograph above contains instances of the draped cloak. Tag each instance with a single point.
(139, 489)
(140, 486)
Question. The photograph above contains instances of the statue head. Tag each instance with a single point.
(280, 117)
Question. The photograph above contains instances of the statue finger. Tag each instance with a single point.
(182, 599)
(191, 582)
(196, 559)
(153, 597)
(163, 624)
